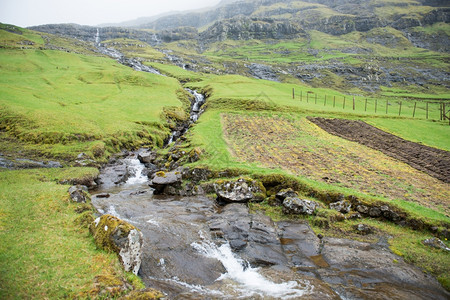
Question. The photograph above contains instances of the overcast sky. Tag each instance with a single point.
(89, 12)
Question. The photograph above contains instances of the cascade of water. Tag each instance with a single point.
(251, 282)
(136, 169)
(97, 37)
(196, 111)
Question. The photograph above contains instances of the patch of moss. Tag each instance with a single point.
(147, 294)
(105, 227)
(85, 219)
(161, 174)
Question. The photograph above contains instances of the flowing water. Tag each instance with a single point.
(180, 256)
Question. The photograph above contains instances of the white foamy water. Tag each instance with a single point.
(251, 282)
(136, 168)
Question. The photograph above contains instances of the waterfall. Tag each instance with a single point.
(97, 37)
(196, 111)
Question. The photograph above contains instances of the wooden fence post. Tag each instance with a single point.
(440, 111)
(307, 97)
(365, 105)
(315, 101)
(353, 102)
(376, 103)
(387, 104)
(400, 109)
(293, 93)
(334, 101)
(343, 105)
(427, 110)
(414, 111)
(325, 101)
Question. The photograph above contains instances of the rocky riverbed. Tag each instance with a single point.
(198, 248)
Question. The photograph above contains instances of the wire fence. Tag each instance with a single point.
(429, 110)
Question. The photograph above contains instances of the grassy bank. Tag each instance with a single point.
(43, 254)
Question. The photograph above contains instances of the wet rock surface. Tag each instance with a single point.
(25, 163)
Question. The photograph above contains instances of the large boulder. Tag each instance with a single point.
(166, 182)
(115, 235)
(146, 156)
(79, 193)
(240, 191)
(292, 205)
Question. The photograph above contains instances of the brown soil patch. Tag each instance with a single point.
(432, 161)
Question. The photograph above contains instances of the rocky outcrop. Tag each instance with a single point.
(241, 190)
(343, 206)
(115, 235)
(79, 193)
(146, 156)
(293, 205)
(166, 182)
(435, 243)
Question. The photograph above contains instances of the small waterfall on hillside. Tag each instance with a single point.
(97, 37)
(116, 54)
(196, 110)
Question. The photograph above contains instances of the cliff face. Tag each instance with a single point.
(252, 28)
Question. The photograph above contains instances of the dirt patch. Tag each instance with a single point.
(434, 162)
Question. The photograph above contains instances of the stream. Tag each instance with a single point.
(195, 248)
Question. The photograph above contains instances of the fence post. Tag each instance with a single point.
(343, 106)
(325, 101)
(376, 103)
(293, 93)
(307, 97)
(427, 110)
(400, 109)
(315, 101)
(365, 105)
(353, 102)
(387, 104)
(334, 101)
(414, 111)
(440, 111)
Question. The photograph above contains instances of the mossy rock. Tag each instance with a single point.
(115, 235)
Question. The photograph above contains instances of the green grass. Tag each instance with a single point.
(434, 134)
(42, 253)
(53, 97)
(238, 92)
